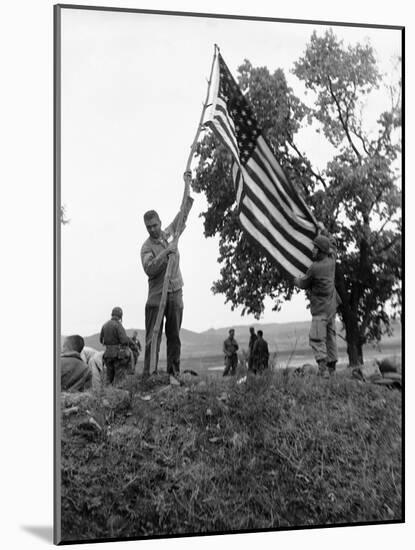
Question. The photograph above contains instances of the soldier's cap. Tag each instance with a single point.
(116, 312)
(322, 243)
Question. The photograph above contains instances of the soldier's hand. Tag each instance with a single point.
(322, 229)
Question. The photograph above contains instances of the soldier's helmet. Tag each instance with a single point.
(322, 243)
(116, 312)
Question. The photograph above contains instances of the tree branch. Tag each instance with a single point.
(390, 243)
(315, 174)
(379, 231)
(343, 123)
(359, 136)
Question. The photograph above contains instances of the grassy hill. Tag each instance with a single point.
(216, 456)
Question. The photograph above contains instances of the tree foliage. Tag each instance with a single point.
(357, 195)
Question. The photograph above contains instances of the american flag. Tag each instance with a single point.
(269, 207)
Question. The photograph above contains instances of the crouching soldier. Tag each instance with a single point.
(75, 374)
(117, 355)
(319, 279)
(230, 347)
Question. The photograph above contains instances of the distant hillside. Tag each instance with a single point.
(280, 337)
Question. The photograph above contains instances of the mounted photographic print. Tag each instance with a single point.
(228, 290)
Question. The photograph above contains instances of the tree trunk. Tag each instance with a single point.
(350, 321)
(354, 340)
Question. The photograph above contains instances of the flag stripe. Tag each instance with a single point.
(291, 192)
(287, 233)
(266, 169)
(223, 123)
(266, 185)
(222, 136)
(221, 108)
(263, 236)
(238, 181)
(270, 168)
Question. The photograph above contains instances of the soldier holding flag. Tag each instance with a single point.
(319, 279)
(155, 253)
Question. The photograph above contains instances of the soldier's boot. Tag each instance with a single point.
(331, 365)
(322, 368)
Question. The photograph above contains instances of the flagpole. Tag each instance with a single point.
(178, 230)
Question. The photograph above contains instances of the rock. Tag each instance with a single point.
(116, 399)
(392, 376)
(88, 427)
(368, 373)
(188, 378)
(174, 381)
(223, 396)
(383, 382)
(306, 369)
(95, 423)
(124, 433)
(83, 400)
(386, 366)
(71, 410)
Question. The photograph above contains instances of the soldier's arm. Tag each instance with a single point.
(304, 282)
(101, 336)
(122, 335)
(153, 265)
(172, 228)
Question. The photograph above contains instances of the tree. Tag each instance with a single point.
(356, 196)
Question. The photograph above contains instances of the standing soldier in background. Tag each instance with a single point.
(136, 341)
(154, 258)
(252, 340)
(319, 279)
(135, 348)
(260, 354)
(117, 356)
(230, 347)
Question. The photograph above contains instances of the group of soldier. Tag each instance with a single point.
(121, 352)
(258, 352)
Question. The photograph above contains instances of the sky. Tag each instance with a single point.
(133, 86)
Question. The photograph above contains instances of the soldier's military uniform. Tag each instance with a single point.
(260, 355)
(117, 355)
(230, 347)
(320, 280)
